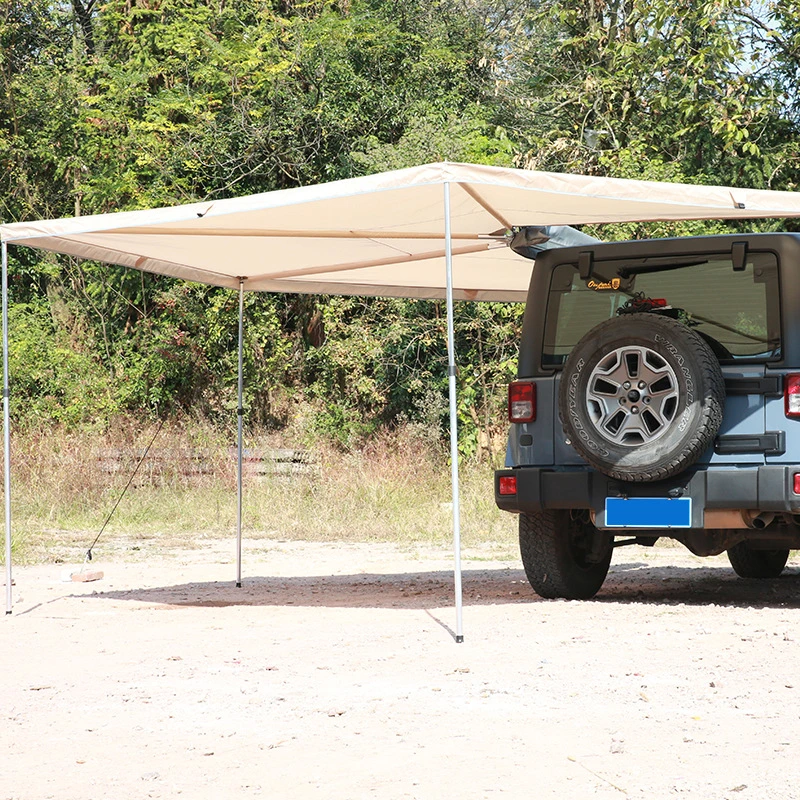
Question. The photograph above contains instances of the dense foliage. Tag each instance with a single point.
(133, 103)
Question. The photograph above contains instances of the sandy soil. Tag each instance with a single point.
(333, 673)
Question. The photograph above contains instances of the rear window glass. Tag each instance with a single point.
(736, 312)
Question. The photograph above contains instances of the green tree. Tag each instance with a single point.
(675, 83)
(38, 102)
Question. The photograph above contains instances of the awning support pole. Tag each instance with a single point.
(240, 417)
(6, 429)
(451, 380)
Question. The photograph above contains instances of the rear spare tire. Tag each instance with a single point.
(563, 555)
(641, 397)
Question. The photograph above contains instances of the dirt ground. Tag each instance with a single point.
(333, 673)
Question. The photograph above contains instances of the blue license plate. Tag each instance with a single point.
(648, 512)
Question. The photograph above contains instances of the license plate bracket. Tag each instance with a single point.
(648, 512)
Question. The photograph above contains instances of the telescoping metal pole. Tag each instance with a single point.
(451, 379)
(240, 417)
(6, 428)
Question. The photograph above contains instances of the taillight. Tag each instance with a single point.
(791, 395)
(522, 401)
(507, 484)
(796, 483)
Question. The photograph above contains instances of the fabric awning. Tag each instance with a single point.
(382, 234)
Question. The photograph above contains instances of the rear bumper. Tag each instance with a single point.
(765, 488)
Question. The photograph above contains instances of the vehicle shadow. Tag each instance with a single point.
(626, 583)
(698, 586)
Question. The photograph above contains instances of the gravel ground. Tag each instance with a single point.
(333, 673)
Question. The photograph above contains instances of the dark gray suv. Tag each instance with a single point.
(658, 394)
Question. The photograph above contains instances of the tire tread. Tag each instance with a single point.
(749, 563)
(545, 556)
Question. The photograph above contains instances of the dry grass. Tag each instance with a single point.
(397, 489)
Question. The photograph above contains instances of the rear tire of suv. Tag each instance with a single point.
(641, 397)
(750, 563)
(563, 556)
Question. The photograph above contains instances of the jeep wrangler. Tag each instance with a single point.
(658, 395)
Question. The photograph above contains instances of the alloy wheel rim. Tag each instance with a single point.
(632, 396)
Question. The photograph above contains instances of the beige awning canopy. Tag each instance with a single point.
(382, 234)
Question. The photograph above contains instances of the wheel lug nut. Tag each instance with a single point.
(646, 399)
(626, 385)
(642, 384)
(635, 410)
(623, 400)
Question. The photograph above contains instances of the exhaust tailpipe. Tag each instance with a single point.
(759, 521)
(731, 518)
